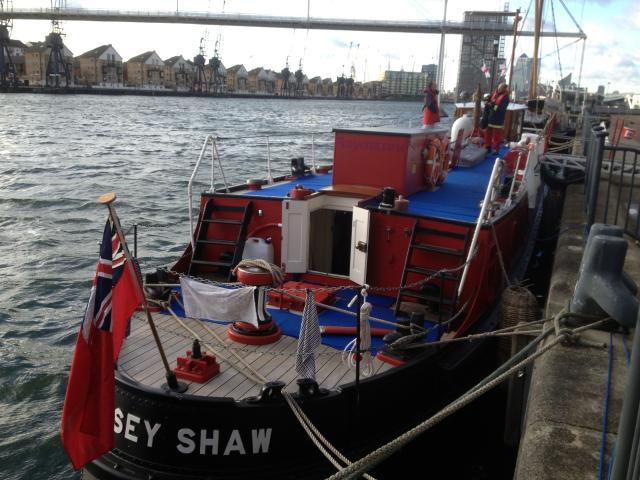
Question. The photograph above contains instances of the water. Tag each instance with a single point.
(58, 153)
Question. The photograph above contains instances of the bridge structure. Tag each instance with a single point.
(249, 20)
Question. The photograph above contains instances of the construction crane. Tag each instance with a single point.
(299, 80)
(199, 75)
(8, 76)
(286, 73)
(56, 65)
(215, 63)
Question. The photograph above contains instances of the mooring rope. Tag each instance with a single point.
(316, 437)
(365, 463)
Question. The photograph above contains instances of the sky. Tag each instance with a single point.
(611, 53)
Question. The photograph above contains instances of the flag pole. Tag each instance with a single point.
(172, 382)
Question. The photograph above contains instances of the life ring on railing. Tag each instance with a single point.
(433, 161)
(514, 159)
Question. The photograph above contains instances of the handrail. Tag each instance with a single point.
(215, 157)
(210, 139)
(495, 176)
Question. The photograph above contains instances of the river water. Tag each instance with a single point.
(58, 153)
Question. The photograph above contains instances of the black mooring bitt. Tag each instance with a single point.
(603, 287)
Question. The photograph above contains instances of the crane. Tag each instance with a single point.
(56, 64)
(200, 76)
(215, 64)
(8, 74)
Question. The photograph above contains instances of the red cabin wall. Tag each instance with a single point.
(365, 159)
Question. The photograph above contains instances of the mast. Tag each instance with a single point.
(440, 79)
(513, 47)
(533, 84)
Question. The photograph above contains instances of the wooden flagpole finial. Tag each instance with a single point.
(107, 198)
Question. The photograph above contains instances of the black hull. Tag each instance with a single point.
(355, 420)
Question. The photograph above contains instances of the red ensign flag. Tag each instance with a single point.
(87, 415)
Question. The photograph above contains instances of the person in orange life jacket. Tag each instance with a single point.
(496, 109)
(430, 108)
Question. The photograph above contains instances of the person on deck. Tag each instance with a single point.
(430, 108)
(496, 109)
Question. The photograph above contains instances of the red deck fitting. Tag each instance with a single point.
(197, 369)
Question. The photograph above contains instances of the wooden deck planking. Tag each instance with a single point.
(265, 367)
(252, 358)
(276, 361)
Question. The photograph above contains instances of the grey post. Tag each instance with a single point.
(602, 286)
(592, 184)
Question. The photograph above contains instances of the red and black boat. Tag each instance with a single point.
(394, 217)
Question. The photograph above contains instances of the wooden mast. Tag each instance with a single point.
(533, 83)
(513, 48)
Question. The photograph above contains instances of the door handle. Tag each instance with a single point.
(362, 246)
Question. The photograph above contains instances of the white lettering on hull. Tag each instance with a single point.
(210, 441)
(204, 442)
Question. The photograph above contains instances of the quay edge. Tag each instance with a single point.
(563, 423)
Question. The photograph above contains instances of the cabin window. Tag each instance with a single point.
(330, 241)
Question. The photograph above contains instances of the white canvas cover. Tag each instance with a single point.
(202, 300)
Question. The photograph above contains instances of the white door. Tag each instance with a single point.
(359, 245)
(295, 236)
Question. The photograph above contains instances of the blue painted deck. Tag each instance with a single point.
(457, 199)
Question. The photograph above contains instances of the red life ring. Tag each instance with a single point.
(433, 161)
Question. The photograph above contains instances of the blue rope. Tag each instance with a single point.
(627, 354)
(603, 440)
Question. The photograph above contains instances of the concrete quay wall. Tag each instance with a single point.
(563, 424)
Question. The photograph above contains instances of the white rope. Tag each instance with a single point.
(349, 354)
(369, 461)
(316, 437)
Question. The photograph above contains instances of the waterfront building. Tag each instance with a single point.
(145, 71)
(36, 59)
(327, 88)
(477, 53)
(315, 87)
(16, 50)
(101, 66)
(257, 80)
(403, 84)
(358, 90)
(237, 79)
(372, 89)
(431, 71)
(177, 73)
(521, 76)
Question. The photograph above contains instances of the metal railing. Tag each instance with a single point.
(252, 145)
(612, 193)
